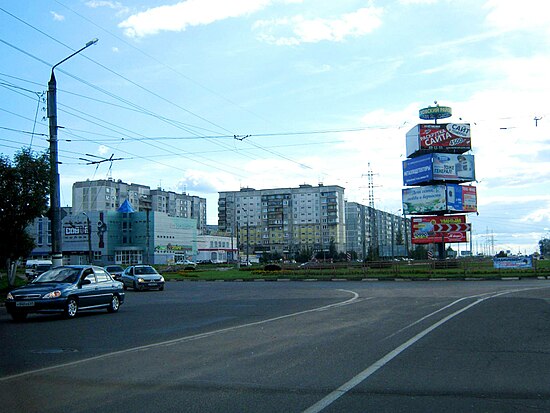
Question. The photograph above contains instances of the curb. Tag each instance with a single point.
(398, 280)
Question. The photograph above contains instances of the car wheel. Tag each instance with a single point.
(125, 287)
(71, 308)
(114, 305)
(18, 316)
(161, 288)
(136, 288)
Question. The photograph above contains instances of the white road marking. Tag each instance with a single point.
(369, 371)
(352, 300)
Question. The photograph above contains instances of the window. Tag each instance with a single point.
(89, 275)
(102, 276)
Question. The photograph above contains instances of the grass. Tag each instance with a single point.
(387, 270)
(460, 269)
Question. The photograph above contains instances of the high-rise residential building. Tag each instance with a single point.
(373, 234)
(109, 195)
(285, 220)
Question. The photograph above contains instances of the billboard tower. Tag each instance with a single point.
(437, 173)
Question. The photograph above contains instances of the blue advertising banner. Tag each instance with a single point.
(513, 262)
(417, 170)
(438, 167)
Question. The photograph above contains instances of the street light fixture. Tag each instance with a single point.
(55, 217)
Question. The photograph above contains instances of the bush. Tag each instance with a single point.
(273, 267)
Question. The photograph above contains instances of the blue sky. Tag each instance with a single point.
(315, 91)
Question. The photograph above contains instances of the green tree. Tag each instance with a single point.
(373, 254)
(24, 185)
(544, 246)
(304, 255)
(419, 253)
(399, 240)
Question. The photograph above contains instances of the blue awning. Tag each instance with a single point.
(126, 207)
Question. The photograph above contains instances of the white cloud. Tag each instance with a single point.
(109, 4)
(179, 16)
(57, 17)
(510, 15)
(297, 29)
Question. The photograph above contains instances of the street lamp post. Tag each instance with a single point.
(57, 251)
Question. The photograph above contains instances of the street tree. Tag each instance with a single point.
(544, 246)
(24, 185)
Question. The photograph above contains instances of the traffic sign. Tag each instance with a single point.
(452, 227)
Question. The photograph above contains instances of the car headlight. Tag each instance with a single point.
(53, 294)
(161, 278)
(9, 297)
(141, 280)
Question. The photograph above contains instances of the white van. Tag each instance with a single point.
(33, 268)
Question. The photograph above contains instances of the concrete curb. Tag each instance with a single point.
(399, 280)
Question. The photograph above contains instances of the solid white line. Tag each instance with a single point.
(369, 371)
(352, 300)
(435, 312)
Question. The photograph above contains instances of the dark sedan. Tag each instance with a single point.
(142, 277)
(115, 271)
(66, 289)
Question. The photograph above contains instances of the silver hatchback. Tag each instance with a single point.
(142, 277)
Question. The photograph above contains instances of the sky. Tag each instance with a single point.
(202, 96)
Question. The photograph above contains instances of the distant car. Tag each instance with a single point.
(36, 267)
(142, 277)
(115, 271)
(188, 265)
(67, 289)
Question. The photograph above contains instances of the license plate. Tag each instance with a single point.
(24, 304)
(152, 284)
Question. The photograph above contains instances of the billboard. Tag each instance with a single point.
(449, 198)
(448, 137)
(436, 229)
(438, 167)
(513, 262)
(461, 198)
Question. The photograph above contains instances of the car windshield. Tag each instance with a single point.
(61, 275)
(114, 268)
(145, 270)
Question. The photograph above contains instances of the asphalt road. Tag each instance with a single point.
(289, 347)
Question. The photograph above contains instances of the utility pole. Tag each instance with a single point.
(89, 230)
(55, 208)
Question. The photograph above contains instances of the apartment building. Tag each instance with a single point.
(284, 220)
(109, 195)
(378, 233)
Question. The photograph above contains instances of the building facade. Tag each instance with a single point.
(284, 220)
(378, 233)
(119, 237)
(109, 195)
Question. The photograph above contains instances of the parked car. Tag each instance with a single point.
(187, 265)
(34, 268)
(67, 289)
(115, 271)
(142, 277)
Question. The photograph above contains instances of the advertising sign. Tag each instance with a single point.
(424, 199)
(438, 167)
(513, 262)
(432, 199)
(75, 230)
(447, 137)
(461, 198)
(435, 112)
(436, 229)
